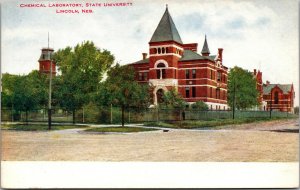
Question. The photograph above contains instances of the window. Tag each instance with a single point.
(140, 76)
(211, 74)
(194, 73)
(187, 92)
(159, 50)
(161, 72)
(158, 73)
(163, 50)
(210, 92)
(145, 76)
(276, 98)
(218, 93)
(155, 50)
(167, 50)
(219, 76)
(187, 74)
(194, 91)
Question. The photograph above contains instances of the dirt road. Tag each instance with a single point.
(268, 141)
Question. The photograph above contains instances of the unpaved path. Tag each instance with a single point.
(248, 142)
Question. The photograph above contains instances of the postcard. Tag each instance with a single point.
(140, 94)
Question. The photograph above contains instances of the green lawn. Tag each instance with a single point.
(119, 129)
(213, 123)
(38, 127)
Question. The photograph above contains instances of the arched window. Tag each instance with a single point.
(161, 71)
(163, 50)
(167, 50)
(276, 98)
(159, 50)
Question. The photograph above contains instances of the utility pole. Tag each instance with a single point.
(50, 84)
(271, 105)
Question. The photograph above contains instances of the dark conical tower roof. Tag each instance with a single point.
(205, 49)
(166, 30)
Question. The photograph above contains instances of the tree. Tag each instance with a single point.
(82, 69)
(24, 93)
(120, 88)
(200, 105)
(172, 99)
(242, 92)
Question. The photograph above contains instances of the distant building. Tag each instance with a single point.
(278, 97)
(259, 87)
(45, 61)
(173, 64)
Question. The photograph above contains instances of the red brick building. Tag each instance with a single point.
(173, 64)
(279, 97)
(45, 61)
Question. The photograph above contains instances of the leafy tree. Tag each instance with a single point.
(23, 93)
(241, 89)
(120, 88)
(8, 86)
(82, 69)
(172, 99)
(200, 105)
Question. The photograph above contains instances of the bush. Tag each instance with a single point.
(200, 105)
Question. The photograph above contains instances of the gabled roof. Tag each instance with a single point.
(166, 30)
(189, 55)
(284, 87)
(142, 61)
(205, 48)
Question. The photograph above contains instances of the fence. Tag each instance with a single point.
(113, 115)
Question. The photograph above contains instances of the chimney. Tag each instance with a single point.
(254, 71)
(220, 52)
(144, 56)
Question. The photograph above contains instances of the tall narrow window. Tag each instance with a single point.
(211, 74)
(218, 93)
(163, 72)
(167, 50)
(187, 92)
(159, 50)
(194, 91)
(210, 92)
(187, 74)
(145, 76)
(194, 73)
(276, 98)
(140, 76)
(163, 50)
(158, 73)
(219, 76)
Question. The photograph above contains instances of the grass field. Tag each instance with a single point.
(212, 123)
(38, 127)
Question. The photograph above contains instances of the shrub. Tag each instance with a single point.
(200, 105)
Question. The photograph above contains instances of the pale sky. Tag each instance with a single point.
(261, 34)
